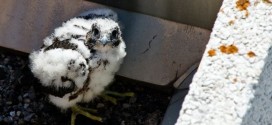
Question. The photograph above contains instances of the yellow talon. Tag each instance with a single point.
(80, 110)
(127, 94)
(109, 98)
(105, 95)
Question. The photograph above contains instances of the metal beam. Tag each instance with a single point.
(199, 13)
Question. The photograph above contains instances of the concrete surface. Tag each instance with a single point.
(233, 83)
(159, 51)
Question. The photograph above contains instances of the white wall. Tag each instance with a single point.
(233, 85)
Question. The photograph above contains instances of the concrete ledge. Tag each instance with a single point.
(233, 85)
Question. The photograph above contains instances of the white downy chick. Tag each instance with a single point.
(80, 58)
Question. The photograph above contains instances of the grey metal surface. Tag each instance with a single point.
(24, 23)
(200, 13)
(172, 113)
(184, 76)
(159, 51)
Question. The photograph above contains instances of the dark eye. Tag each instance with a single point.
(114, 34)
(95, 32)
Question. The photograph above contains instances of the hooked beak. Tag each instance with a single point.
(104, 41)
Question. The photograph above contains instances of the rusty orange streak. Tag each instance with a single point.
(251, 54)
(242, 4)
(231, 49)
(212, 52)
(231, 22)
(268, 1)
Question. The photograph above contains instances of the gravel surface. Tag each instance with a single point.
(22, 101)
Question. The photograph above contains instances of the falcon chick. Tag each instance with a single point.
(80, 58)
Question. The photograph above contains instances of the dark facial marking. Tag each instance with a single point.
(114, 34)
(92, 36)
(116, 43)
(115, 37)
(95, 31)
(105, 63)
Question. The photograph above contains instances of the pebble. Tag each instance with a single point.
(6, 60)
(15, 123)
(126, 114)
(25, 113)
(20, 98)
(28, 117)
(18, 113)
(123, 123)
(15, 118)
(27, 100)
(21, 122)
(100, 105)
(41, 106)
(29, 109)
(32, 95)
(26, 106)
(133, 99)
(12, 113)
(20, 105)
(125, 105)
(25, 95)
(9, 102)
(3, 72)
(8, 119)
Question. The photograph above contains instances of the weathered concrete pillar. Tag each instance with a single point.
(233, 85)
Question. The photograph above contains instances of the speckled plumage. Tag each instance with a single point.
(80, 58)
